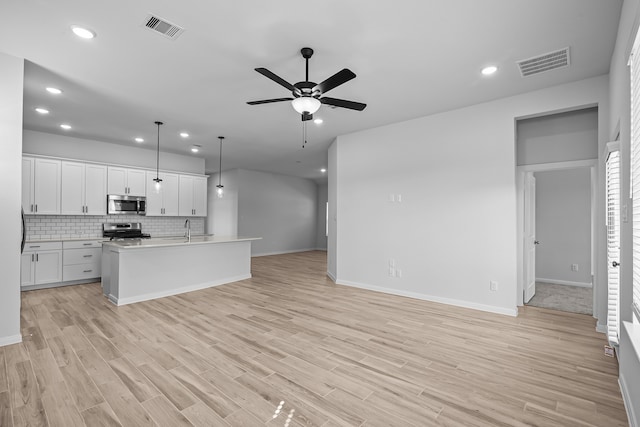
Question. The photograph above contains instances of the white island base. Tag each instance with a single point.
(156, 268)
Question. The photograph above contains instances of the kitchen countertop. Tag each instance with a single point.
(177, 241)
(71, 239)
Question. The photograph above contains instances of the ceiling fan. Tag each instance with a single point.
(307, 95)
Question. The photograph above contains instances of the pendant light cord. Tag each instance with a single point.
(158, 155)
(220, 164)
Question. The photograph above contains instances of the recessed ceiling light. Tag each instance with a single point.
(54, 90)
(82, 32)
(195, 148)
(323, 170)
(184, 134)
(138, 139)
(318, 121)
(42, 110)
(65, 126)
(487, 71)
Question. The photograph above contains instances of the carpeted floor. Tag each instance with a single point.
(573, 299)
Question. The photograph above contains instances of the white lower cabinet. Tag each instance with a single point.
(41, 263)
(82, 260)
(47, 264)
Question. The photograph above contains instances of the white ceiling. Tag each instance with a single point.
(412, 58)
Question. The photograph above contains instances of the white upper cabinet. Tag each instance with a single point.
(84, 189)
(126, 181)
(165, 201)
(193, 195)
(41, 186)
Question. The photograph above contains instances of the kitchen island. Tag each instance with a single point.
(145, 269)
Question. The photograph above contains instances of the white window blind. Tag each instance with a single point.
(613, 245)
(635, 173)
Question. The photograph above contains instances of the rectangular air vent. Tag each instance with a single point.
(546, 62)
(163, 27)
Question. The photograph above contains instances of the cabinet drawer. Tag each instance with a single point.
(81, 271)
(82, 244)
(82, 256)
(42, 246)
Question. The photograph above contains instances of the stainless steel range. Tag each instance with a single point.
(123, 231)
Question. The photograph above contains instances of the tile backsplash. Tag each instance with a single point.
(52, 227)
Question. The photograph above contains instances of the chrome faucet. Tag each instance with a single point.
(187, 225)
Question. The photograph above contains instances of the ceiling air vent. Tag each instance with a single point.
(163, 27)
(546, 62)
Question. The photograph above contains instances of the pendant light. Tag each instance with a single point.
(220, 187)
(157, 178)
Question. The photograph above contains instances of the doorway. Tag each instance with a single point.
(557, 235)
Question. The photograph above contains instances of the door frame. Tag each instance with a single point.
(592, 165)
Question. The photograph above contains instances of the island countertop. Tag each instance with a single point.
(175, 241)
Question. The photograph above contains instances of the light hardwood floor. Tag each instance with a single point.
(290, 348)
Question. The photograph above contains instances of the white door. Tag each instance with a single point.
(154, 198)
(170, 194)
(47, 186)
(186, 195)
(48, 267)
(136, 181)
(28, 174)
(200, 196)
(529, 236)
(613, 245)
(117, 181)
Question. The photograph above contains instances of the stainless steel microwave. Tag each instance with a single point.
(123, 205)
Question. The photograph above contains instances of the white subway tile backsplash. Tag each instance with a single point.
(44, 227)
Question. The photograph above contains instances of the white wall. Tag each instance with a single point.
(11, 83)
(563, 226)
(280, 209)
(455, 229)
(572, 135)
(48, 144)
(222, 219)
(321, 236)
(332, 189)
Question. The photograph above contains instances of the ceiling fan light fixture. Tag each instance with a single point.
(306, 104)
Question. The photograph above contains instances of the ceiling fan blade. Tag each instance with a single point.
(336, 80)
(282, 82)
(352, 105)
(307, 116)
(268, 101)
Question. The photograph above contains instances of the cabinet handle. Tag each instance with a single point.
(31, 208)
(87, 244)
(37, 260)
(87, 271)
(32, 257)
(36, 207)
(33, 246)
(87, 256)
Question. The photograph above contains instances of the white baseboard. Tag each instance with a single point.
(564, 282)
(601, 328)
(331, 276)
(14, 339)
(459, 303)
(168, 293)
(284, 252)
(628, 403)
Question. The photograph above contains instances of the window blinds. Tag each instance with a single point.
(613, 245)
(635, 172)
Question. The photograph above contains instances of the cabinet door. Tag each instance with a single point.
(186, 195)
(154, 198)
(28, 172)
(136, 181)
(117, 181)
(47, 186)
(95, 190)
(200, 196)
(48, 267)
(72, 189)
(27, 266)
(170, 194)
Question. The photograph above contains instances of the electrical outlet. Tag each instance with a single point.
(574, 267)
(398, 273)
(392, 271)
(493, 285)
(399, 198)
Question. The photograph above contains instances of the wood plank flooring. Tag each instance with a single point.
(290, 348)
